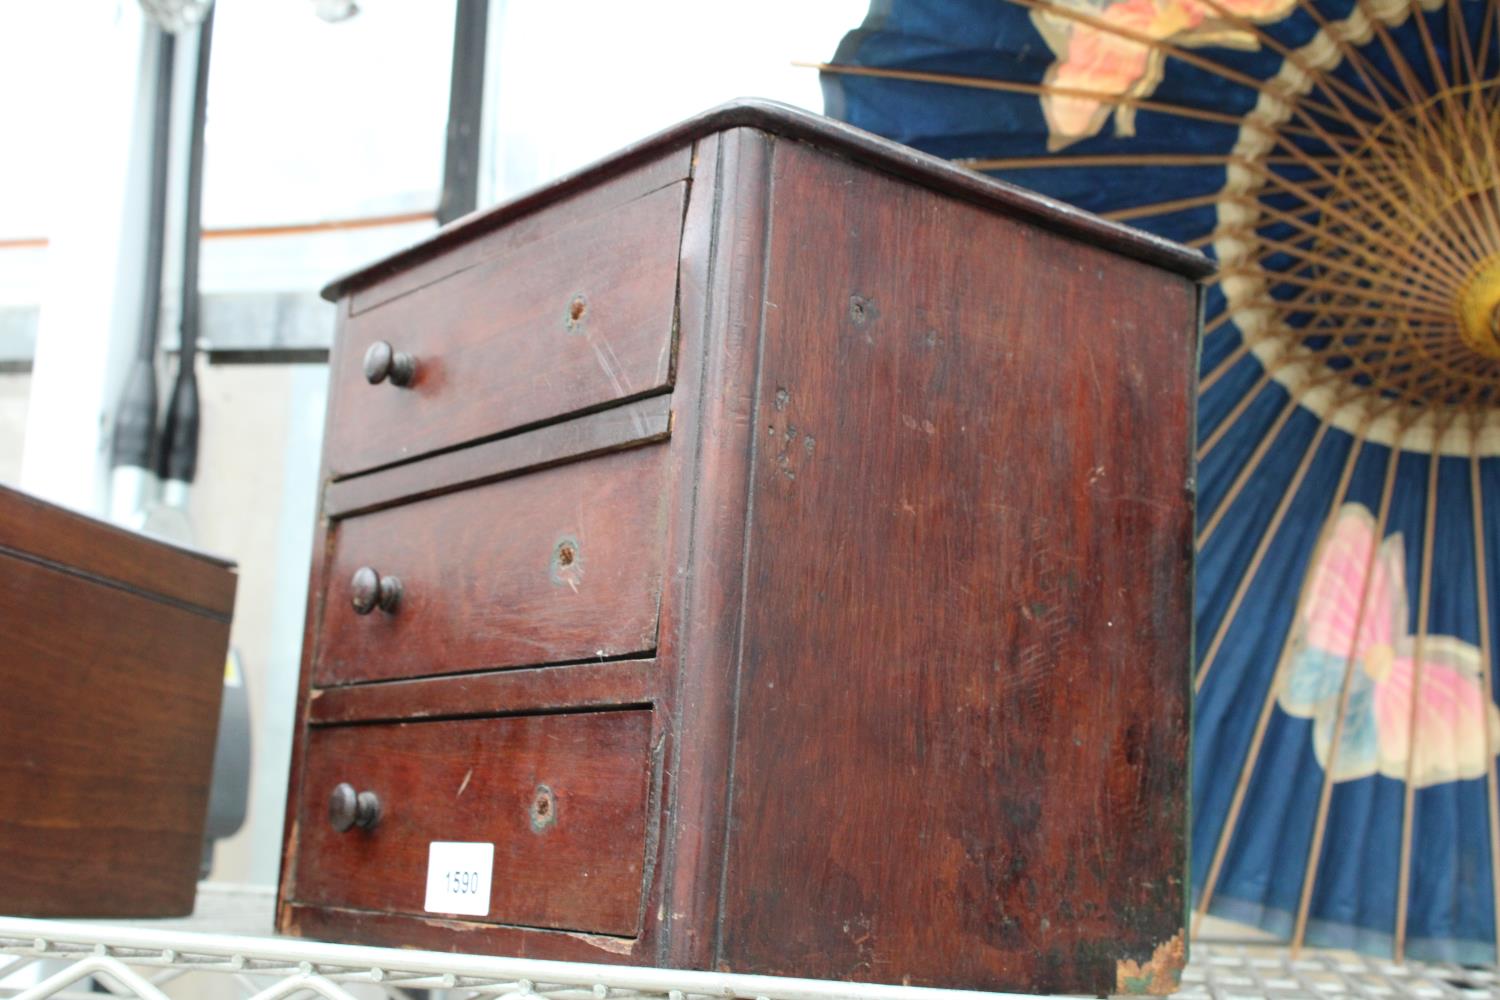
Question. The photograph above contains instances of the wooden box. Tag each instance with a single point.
(772, 546)
(110, 684)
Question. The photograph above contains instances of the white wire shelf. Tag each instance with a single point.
(193, 959)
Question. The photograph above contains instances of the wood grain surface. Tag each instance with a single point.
(963, 700)
(643, 422)
(574, 686)
(839, 139)
(34, 529)
(905, 586)
(483, 575)
(108, 716)
(511, 225)
(498, 346)
(722, 269)
(577, 868)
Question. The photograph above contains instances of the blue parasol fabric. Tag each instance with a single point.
(1338, 158)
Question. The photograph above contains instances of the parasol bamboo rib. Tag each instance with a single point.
(1039, 89)
(1322, 284)
(1483, 48)
(1213, 325)
(1325, 793)
(1457, 269)
(1318, 308)
(1415, 93)
(1234, 414)
(1417, 155)
(1354, 59)
(1162, 207)
(1262, 448)
(1299, 107)
(1481, 224)
(1325, 209)
(1327, 82)
(1274, 247)
(1459, 41)
(1447, 96)
(1180, 53)
(1481, 585)
(1409, 83)
(1261, 548)
(1053, 162)
(1229, 361)
(1424, 608)
(1349, 54)
(1491, 169)
(1252, 755)
(1267, 373)
(1474, 234)
(1331, 85)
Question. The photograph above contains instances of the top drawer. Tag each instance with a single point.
(581, 317)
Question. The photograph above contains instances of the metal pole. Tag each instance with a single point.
(179, 451)
(465, 111)
(132, 450)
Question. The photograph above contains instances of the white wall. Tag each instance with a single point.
(572, 80)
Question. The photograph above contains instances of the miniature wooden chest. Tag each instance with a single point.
(110, 682)
(768, 550)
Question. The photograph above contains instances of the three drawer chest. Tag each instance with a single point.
(767, 550)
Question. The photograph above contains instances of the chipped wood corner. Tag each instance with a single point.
(1160, 976)
(605, 942)
(287, 921)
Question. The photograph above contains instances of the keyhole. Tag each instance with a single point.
(576, 310)
(543, 809)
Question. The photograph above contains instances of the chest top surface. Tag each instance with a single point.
(836, 137)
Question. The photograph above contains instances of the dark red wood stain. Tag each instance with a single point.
(483, 576)
(898, 557)
(110, 683)
(963, 698)
(580, 317)
(477, 781)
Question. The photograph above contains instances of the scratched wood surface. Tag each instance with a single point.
(109, 707)
(509, 226)
(561, 797)
(918, 656)
(562, 565)
(578, 318)
(963, 700)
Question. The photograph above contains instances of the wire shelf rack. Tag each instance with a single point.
(183, 960)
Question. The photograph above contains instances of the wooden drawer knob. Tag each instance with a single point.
(348, 808)
(385, 362)
(370, 590)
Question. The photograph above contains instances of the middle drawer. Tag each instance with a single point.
(556, 566)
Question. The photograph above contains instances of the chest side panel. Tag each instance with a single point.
(962, 727)
(107, 726)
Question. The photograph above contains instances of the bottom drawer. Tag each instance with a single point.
(562, 799)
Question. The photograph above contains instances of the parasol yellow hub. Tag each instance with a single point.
(1479, 309)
